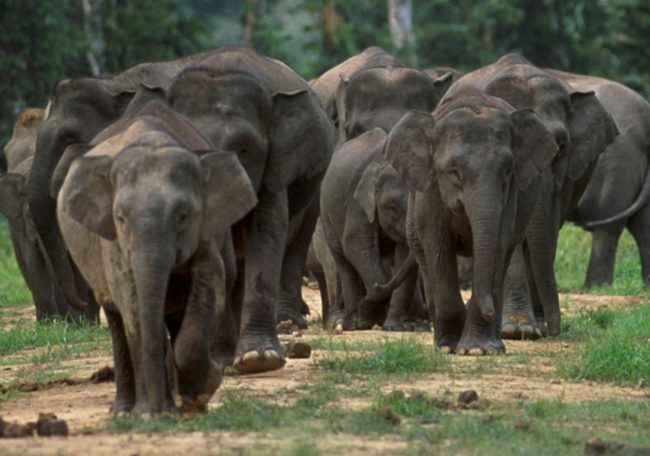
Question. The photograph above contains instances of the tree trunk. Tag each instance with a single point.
(93, 29)
(400, 18)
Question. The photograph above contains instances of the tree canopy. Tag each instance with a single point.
(45, 41)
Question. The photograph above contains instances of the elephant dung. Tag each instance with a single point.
(297, 350)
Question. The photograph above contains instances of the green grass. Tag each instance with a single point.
(13, 290)
(402, 357)
(572, 259)
(617, 346)
(27, 334)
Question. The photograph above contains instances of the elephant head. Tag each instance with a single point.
(378, 97)
(579, 123)
(275, 135)
(382, 193)
(472, 156)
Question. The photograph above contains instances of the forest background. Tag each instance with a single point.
(44, 41)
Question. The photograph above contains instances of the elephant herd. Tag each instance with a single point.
(187, 199)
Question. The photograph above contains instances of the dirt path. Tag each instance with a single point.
(524, 373)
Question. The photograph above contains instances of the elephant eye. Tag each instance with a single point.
(119, 218)
(455, 176)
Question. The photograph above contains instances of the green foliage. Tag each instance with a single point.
(617, 348)
(402, 357)
(13, 289)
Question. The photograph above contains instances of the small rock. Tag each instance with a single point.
(555, 382)
(48, 424)
(388, 415)
(597, 446)
(284, 327)
(297, 350)
(105, 374)
(14, 430)
(641, 383)
(467, 397)
(523, 425)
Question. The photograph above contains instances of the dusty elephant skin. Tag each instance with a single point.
(474, 167)
(144, 215)
(581, 129)
(271, 118)
(620, 185)
(32, 259)
(363, 213)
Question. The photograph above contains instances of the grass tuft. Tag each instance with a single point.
(401, 357)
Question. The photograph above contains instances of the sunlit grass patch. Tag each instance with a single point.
(400, 357)
(617, 346)
(13, 291)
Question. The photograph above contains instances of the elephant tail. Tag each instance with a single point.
(385, 289)
(641, 200)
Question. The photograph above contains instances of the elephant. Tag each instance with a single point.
(33, 261)
(582, 129)
(79, 109)
(363, 213)
(274, 122)
(619, 188)
(144, 213)
(269, 115)
(438, 72)
(474, 167)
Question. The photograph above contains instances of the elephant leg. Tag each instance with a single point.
(639, 226)
(352, 292)
(604, 241)
(124, 375)
(199, 376)
(258, 348)
(290, 298)
(518, 320)
(401, 300)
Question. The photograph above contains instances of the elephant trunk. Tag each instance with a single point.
(485, 216)
(384, 290)
(42, 208)
(151, 264)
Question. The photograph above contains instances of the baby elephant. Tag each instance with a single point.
(144, 213)
(363, 216)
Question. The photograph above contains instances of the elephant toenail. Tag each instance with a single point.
(271, 354)
(476, 351)
(250, 356)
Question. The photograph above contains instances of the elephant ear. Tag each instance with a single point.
(72, 152)
(229, 193)
(12, 188)
(591, 129)
(440, 86)
(365, 192)
(533, 147)
(301, 139)
(87, 195)
(409, 148)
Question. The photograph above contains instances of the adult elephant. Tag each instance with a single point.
(363, 215)
(474, 168)
(145, 213)
(78, 110)
(617, 194)
(33, 261)
(582, 130)
(260, 108)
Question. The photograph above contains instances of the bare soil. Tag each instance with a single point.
(85, 405)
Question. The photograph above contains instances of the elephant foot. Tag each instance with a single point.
(447, 343)
(223, 355)
(292, 315)
(258, 353)
(480, 344)
(121, 407)
(519, 325)
(142, 408)
(334, 320)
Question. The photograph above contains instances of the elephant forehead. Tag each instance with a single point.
(140, 133)
(173, 164)
(474, 122)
